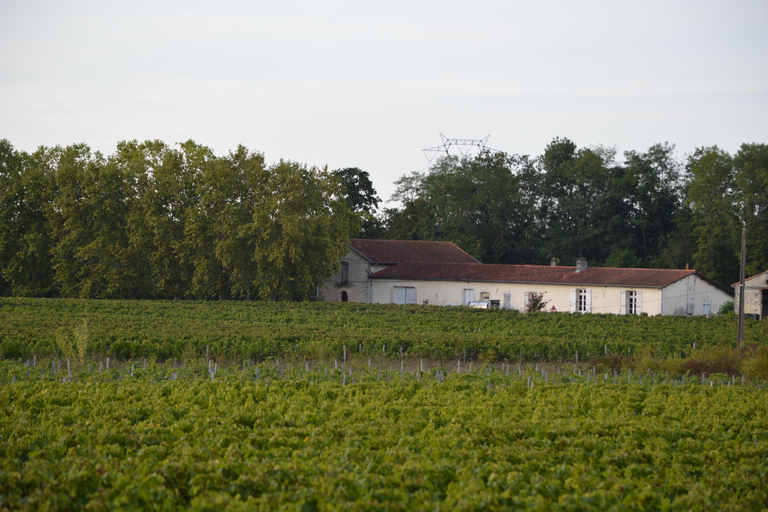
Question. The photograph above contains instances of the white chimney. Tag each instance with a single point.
(581, 264)
(553, 263)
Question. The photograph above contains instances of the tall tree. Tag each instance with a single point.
(486, 204)
(583, 211)
(242, 176)
(26, 190)
(710, 192)
(301, 225)
(653, 194)
(751, 198)
(361, 198)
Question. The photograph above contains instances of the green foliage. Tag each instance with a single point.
(727, 308)
(710, 192)
(172, 329)
(152, 221)
(295, 439)
(751, 196)
(300, 227)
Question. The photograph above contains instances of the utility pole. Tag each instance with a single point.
(740, 341)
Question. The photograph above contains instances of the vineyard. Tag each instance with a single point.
(142, 435)
(118, 405)
(261, 330)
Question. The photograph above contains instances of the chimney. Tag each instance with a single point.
(553, 263)
(581, 264)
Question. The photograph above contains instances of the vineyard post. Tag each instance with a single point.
(34, 361)
(107, 363)
(740, 339)
(345, 353)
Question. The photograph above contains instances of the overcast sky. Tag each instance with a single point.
(369, 85)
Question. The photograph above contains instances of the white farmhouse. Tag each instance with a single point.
(406, 277)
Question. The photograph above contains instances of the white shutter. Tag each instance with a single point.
(410, 295)
(573, 299)
(469, 295)
(528, 299)
(639, 303)
(399, 295)
(507, 300)
(623, 303)
(589, 301)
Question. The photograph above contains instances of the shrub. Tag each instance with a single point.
(720, 359)
(755, 365)
(614, 362)
(727, 308)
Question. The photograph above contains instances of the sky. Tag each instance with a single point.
(372, 84)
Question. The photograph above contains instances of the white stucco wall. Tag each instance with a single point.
(689, 295)
(605, 299)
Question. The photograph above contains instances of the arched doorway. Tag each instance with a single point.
(344, 297)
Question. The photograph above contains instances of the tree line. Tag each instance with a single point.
(650, 210)
(155, 221)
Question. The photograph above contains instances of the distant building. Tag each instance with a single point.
(441, 274)
(353, 283)
(755, 296)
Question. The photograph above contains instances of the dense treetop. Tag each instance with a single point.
(155, 221)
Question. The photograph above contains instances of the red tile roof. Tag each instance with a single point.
(397, 251)
(750, 278)
(592, 276)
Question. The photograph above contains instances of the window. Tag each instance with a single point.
(485, 296)
(707, 308)
(581, 300)
(344, 273)
(631, 302)
(405, 295)
(344, 297)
